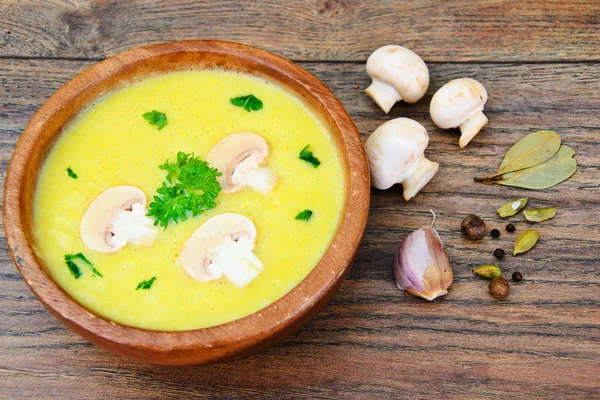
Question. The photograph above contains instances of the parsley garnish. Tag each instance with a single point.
(250, 102)
(190, 189)
(156, 118)
(74, 268)
(71, 173)
(307, 156)
(304, 215)
(146, 284)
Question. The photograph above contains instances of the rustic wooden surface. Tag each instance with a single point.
(540, 63)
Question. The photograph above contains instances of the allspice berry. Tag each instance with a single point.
(473, 227)
(499, 288)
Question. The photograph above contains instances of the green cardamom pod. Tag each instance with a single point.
(488, 271)
(540, 214)
(511, 208)
(526, 241)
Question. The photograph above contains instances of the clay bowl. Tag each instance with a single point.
(219, 343)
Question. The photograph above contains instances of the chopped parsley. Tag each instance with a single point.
(74, 268)
(304, 215)
(190, 188)
(307, 156)
(249, 103)
(146, 284)
(71, 173)
(156, 118)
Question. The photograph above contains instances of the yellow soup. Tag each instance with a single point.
(111, 144)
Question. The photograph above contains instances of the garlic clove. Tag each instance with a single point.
(421, 266)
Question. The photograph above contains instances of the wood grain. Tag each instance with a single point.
(373, 340)
(339, 30)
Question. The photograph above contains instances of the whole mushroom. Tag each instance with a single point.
(117, 217)
(396, 152)
(459, 103)
(222, 246)
(398, 74)
(242, 158)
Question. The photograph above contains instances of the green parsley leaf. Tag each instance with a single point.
(304, 215)
(250, 102)
(190, 188)
(71, 173)
(74, 269)
(156, 118)
(146, 284)
(307, 156)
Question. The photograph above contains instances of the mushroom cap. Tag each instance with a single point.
(95, 227)
(231, 151)
(195, 256)
(394, 150)
(456, 102)
(400, 68)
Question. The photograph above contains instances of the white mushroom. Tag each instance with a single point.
(222, 246)
(241, 158)
(396, 155)
(459, 103)
(398, 74)
(117, 217)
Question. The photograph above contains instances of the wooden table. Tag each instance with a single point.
(540, 62)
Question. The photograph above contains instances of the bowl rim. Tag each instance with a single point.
(216, 343)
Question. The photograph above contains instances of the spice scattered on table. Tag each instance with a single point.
(538, 161)
(526, 241)
(512, 207)
(540, 214)
(495, 233)
(499, 253)
(488, 271)
(517, 276)
(510, 228)
(499, 287)
(473, 227)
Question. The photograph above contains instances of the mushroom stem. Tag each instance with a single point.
(471, 127)
(383, 94)
(261, 179)
(237, 262)
(424, 171)
(132, 227)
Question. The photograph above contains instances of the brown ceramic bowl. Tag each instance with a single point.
(223, 342)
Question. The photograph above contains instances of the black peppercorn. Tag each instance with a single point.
(499, 253)
(510, 228)
(517, 276)
(495, 233)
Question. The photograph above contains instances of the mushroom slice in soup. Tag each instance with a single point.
(242, 158)
(222, 246)
(117, 217)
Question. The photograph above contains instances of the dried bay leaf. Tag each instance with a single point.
(526, 241)
(511, 208)
(544, 175)
(532, 150)
(540, 214)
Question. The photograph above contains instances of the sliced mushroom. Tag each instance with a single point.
(241, 158)
(222, 246)
(117, 217)
(459, 103)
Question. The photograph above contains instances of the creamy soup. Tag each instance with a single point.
(113, 144)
